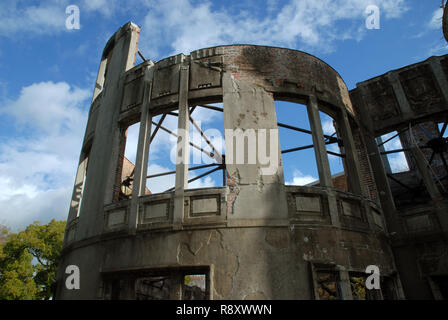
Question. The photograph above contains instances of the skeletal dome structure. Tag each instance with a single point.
(254, 237)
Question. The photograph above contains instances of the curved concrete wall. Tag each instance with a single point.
(255, 237)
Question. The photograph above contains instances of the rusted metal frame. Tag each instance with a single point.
(201, 176)
(159, 124)
(287, 126)
(328, 139)
(211, 107)
(394, 151)
(171, 113)
(309, 147)
(216, 154)
(298, 149)
(191, 143)
(336, 154)
(442, 132)
(141, 56)
(174, 171)
(396, 135)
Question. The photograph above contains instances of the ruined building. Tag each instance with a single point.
(255, 237)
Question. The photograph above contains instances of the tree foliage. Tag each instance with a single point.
(3, 233)
(29, 261)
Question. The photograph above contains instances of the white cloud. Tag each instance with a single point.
(398, 162)
(17, 16)
(105, 7)
(50, 107)
(328, 127)
(307, 24)
(300, 179)
(207, 182)
(436, 20)
(160, 184)
(188, 25)
(434, 24)
(37, 168)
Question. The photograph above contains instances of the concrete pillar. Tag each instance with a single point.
(323, 165)
(427, 177)
(183, 148)
(251, 134)
(353, 168)
(104, 154)
(320, 149)
(403, 102)
(346, 287)
(442, 81)
(381, 179)
(141, 162)
(440, 207)
(386, 163)
(176, 285)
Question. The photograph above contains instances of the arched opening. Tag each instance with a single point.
(298, 149)
(207, 152)
(126, 162)
(161, 170)
(335, 150)
(296, 142)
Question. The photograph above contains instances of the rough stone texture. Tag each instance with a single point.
(412, 100)
(254, 238)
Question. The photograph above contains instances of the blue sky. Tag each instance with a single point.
(47, 74)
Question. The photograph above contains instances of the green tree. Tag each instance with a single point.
(29, 261)
(3, 233)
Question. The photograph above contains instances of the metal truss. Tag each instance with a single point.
(214, 154)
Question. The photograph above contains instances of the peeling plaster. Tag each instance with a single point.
(233, 181)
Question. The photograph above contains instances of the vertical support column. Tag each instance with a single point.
(351, 157)
(253, 156)
(422, 167)
(121, 59)
(403, 102)
(379, 172)
(346, 288)
(104, 154)
(176, 286)
(440, 208)
(386, 164)
(440, 75)
(141, 163)
(323, 164)
(183, 150)
(320, 149)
